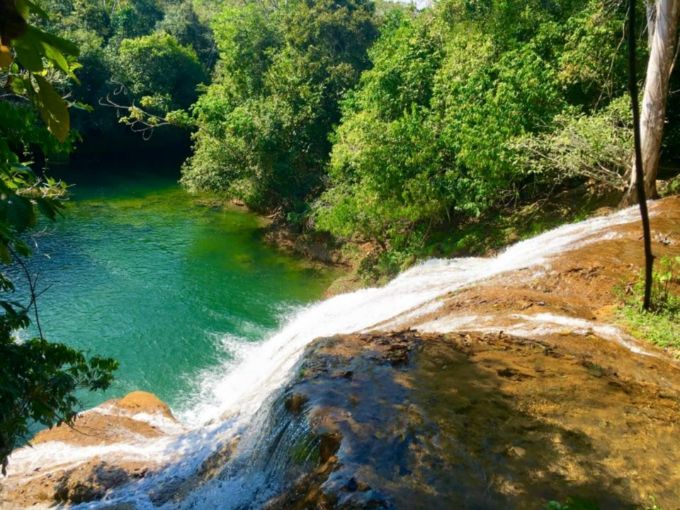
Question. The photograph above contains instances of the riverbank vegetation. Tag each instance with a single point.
(39, 378)
(390, 131)
(408, 139)
(661, 324)
(141, 61)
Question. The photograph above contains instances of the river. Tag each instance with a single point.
(167, 283)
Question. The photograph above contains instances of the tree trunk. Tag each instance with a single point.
(663, 36)
(651, 21)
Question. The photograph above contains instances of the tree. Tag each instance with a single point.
(39, 378)
(264, 122)
(181, 21)
(663, 20)
(157, 65)
(134, 18)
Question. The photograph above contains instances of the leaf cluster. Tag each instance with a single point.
(469, 107)
(661, 324)
(133, 53)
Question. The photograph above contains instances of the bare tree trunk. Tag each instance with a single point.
(663, 36)
(651, 21)
(639, 167)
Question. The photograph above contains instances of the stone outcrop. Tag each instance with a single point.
(123, 420)
(409, 420)
(531, 398)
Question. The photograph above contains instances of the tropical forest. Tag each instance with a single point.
(340, 254)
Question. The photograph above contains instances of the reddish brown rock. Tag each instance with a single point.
(113, 422)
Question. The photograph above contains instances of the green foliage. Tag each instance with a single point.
(572, 504)
(452, 113)
(158, 66)
(133, 52)
(469, 107)
(265, 120)
(135, 18)
(660, 325)
(38, 378)
(579, 504)
(182, 22)
(39, 382)
(596, 146)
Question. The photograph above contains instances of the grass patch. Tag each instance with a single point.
(580, 504)
(661, 324)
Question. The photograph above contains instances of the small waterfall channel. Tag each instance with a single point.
(239, 399)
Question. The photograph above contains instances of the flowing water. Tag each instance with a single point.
(140, 271)
(231, 395)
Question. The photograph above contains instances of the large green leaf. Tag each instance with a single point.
(53, 109)
(29, 52)
(34, 45)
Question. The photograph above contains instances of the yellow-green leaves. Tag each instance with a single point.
(5, 57)
(35, 47)
(37, 51)
(53, 109)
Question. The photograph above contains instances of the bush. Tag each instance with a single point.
(158, 66)
(265, 120)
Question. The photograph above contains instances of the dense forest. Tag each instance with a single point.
(417, 131)
(373, 122)
(381, 123)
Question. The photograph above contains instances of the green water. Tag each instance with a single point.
(145, 273)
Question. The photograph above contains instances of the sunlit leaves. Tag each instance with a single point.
(264, 122)
(430, 137)
(35, 46)
(53, 109)
(35, 51)
(5, 56)
(160, 70)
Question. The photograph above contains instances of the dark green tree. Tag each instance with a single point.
(264, 123)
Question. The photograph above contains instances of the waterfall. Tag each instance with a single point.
(229, 399)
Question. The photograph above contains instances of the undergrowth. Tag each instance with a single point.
(661, 324)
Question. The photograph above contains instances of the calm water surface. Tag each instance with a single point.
(143, 272)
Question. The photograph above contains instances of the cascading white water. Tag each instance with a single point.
(229, 398)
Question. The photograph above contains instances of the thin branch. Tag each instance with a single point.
(141, 125)
(32, 286)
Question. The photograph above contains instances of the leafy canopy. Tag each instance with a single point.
(264, 122)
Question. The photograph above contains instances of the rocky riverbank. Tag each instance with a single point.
(137, 416)
(509, 393)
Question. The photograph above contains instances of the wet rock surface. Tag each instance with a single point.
(531, 398)
(483, 421)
